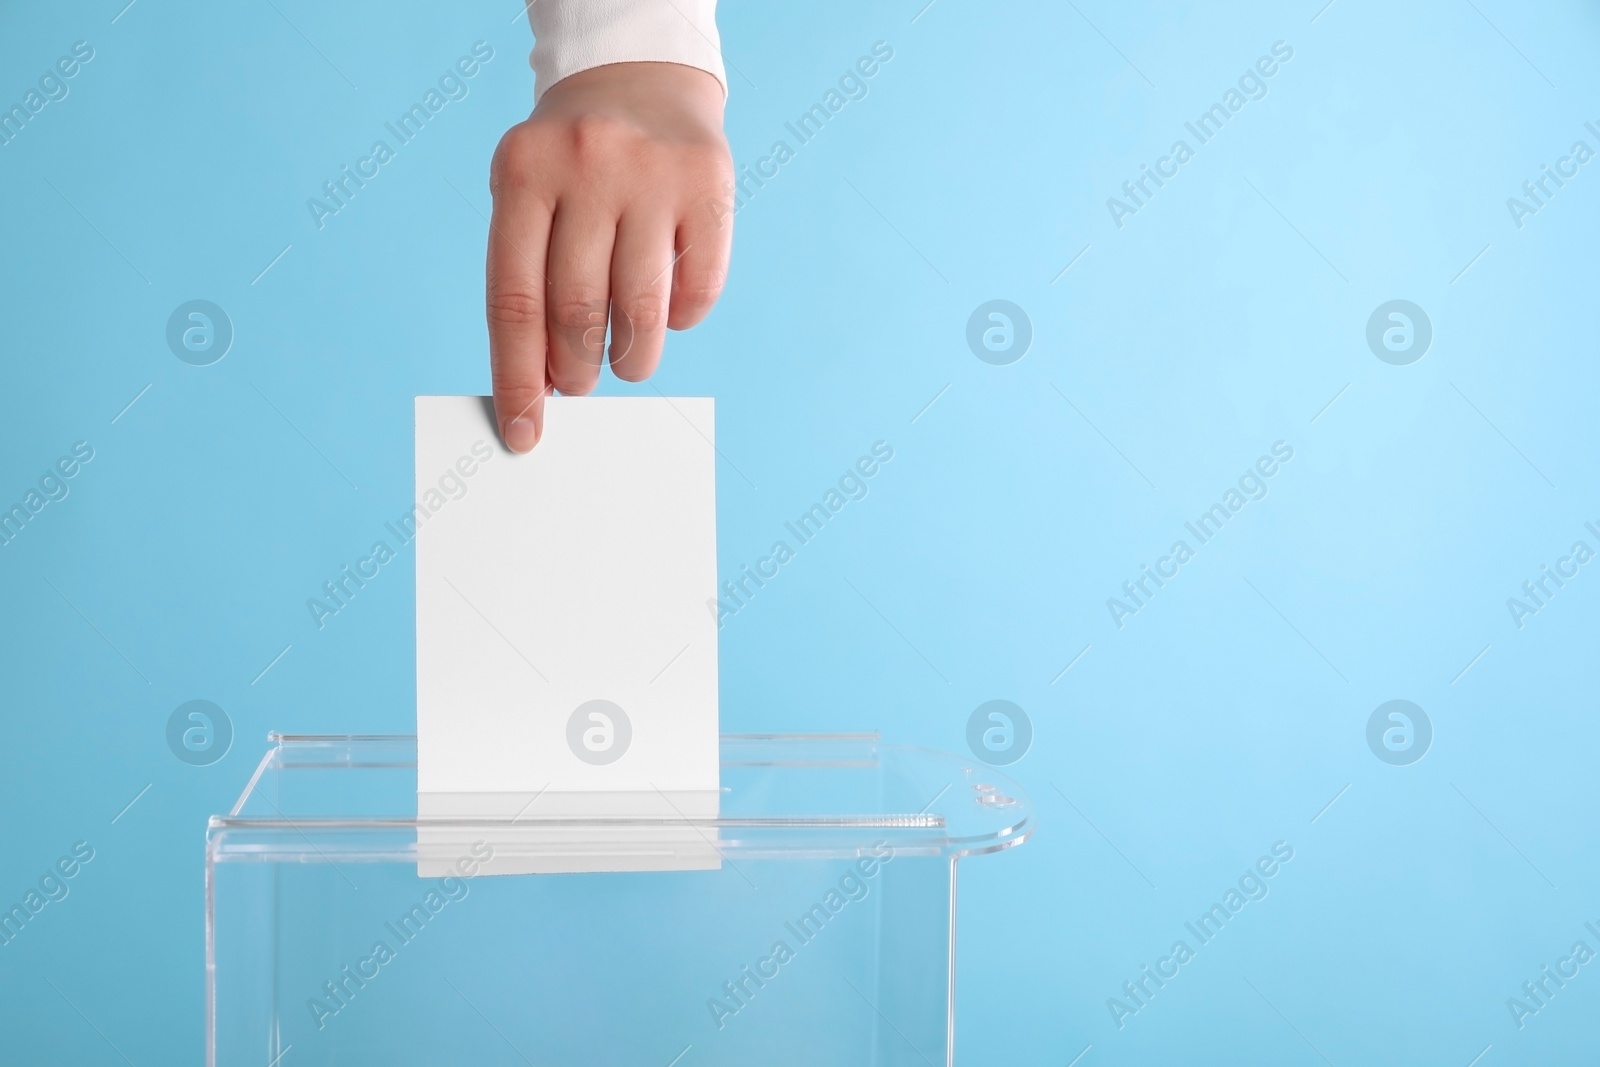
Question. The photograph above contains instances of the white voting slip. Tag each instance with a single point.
(566, 653)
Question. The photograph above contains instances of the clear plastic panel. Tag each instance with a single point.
(825, 936)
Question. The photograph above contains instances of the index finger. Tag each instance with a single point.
(519, 236)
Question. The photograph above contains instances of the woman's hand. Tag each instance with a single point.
(612, 203)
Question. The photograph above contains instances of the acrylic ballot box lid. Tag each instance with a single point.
(352, 798)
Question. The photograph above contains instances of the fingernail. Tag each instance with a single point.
(520, 434)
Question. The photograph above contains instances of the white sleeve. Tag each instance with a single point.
(574, 35)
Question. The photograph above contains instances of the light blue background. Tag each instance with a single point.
(1223, 317)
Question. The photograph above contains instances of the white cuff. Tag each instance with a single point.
(574, 35)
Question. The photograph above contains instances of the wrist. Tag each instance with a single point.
(669, 97)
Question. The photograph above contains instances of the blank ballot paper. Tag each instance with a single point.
(566, 647)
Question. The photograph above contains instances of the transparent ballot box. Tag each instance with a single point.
(820, 932)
